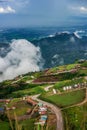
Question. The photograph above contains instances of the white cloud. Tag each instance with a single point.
(12, 6)
(80, 9)
(7, 9)
(19, 3)
(24, 57)
(84, 9)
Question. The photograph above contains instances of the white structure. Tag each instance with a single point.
(47, 88)
(32, 77)
(54, 91)
(67, 88)
(24, 98)
(29, 81)
(76, 85)
(64, 88)
(70, 87)
(42, 109)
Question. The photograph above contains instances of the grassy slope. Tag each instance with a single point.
(66, 99)
(21, 107)
(4, 125)
(28, 124)
(21, 88)
(75, 118)
(62, 68)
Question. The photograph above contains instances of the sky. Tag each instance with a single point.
(30, 13)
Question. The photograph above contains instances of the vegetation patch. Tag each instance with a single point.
(21, 108)
(75, 118)
(84, 64)
(62, 68)
(65, 99)
(15, 90)
(28, 124)
(29, 91)
(4, 125)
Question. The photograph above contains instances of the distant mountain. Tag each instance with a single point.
(62, 48)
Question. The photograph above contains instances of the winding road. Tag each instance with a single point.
(56, 110)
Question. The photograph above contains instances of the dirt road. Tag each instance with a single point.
(56, 110)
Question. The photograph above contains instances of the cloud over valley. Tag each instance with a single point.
(23, 57)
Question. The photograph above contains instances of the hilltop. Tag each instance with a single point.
(63, 86)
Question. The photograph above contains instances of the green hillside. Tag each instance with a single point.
(64, 86)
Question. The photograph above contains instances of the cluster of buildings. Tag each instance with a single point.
(42, 110)
(66, 88)
(5, 101)
(30, 101)
(43, 114)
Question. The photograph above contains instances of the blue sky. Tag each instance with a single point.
(27, 13)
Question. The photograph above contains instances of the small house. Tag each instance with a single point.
(64, 88)
(30, 101)
(40, 104)
(43, 109)
(54, 91)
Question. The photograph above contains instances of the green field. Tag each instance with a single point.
(4, 125)
(82, 72)
(75, 118)
(27, 124)
(66, 99)
(84, 64)
(62, 68)
(20, 89)
(21, 107)
(29, 91)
